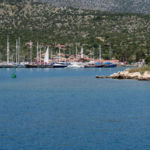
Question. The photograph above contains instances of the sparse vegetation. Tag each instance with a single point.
(128, 35)
(141, 69)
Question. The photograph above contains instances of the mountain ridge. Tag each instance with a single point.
(128, 6)
(123, 6)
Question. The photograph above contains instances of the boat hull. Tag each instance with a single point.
(8, 66)
(93, 66)
(59, 66)
(44, 66)
(110, 66)
(99, 66)
(31, 66)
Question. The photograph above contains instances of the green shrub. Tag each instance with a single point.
(141, 69)
(147, 60)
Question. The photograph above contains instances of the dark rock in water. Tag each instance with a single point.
(102, 77)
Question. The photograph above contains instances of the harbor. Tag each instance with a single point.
(74, 75)
(47, 56)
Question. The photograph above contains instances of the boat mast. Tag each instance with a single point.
(76, 50)
(30, 52)
(48, 54)
(51, 54)
(110, 52)
(59, 53)
(93, 53)
(37, 51)
(40, 56)
(19, 50)
(100, 52)
(16, 50)
(7, 50)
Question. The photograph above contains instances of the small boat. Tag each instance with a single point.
(99, 65)
(60, 65)
(9, 65)
(109, 65)
(90, 66)
(30, 66)
(94, 65)
(75, 65)
(45, 66)
(21, 65)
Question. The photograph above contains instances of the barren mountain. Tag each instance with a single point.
(134, 6)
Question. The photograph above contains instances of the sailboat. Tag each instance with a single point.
(82, 55)
(7, 64)
(60, 64)
(46, 58)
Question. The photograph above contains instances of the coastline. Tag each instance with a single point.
(126, 74)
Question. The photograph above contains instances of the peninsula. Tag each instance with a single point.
(142, 73)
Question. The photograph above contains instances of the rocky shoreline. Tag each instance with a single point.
(129, 75)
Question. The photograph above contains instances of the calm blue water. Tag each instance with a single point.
(69, 109)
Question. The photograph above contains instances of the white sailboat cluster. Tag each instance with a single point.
(75, 60)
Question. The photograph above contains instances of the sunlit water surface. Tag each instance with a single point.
(69, 109)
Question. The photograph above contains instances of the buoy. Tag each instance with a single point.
(13, 76)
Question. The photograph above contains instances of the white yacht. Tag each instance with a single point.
(76, 65)
(59, 65)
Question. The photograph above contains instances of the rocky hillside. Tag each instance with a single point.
(128, 34)
(134, 6)
(127, 6)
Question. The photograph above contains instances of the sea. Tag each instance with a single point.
(69, 109)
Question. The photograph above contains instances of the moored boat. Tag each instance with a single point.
(45, 66)
(109, 65)
(94, 65)
(31, 66)
(99, 65)
(90, 66)
(75, 65)
(60, 65)
(8, 66)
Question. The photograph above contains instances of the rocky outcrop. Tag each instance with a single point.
(145, 76)
(128, 75)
